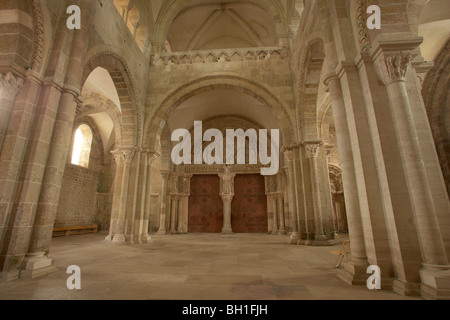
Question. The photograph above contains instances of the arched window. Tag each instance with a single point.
(82, 146)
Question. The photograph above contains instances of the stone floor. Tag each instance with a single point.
(192, 267)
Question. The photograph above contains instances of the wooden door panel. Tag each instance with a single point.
(205, 205)
(249, 207)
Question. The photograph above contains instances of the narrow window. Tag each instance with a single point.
(82, 146)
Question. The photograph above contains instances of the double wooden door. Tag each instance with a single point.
(248, 211)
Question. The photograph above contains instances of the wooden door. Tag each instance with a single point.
(249, 207)
(205, 205)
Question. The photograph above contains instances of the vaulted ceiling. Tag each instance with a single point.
(222, 24)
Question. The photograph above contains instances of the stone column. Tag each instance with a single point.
(11, 159)
(370, 175)
(275, 226)
(227, 194)
(294, 238)
(269, 212)
(282, 229)
(354, 272)
(146, 198)
(300, 195)
(173, 216)
(393, 60)
(113, 229)
(180, 220)
(312, 153)
(131, 219)
(185, 202)
(162, 219)
(38, 263)
(127, 158)
(184, 215)
(340, 212)
(227, 198)
(10, 86)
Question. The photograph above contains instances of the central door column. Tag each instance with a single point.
(227, 194)
(227, 199)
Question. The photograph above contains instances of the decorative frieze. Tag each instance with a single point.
(125, 156)
(228, 55)
(361, 20)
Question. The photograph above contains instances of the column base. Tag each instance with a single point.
(146, 239)
(435, 284)
(275, 232)
(9, 276)
(162, 232)
(119, 239)
(353, 275)
(227, 230)
(294, 238)
(407, 289)
(282, 232)
(319, 241)
(38, 266)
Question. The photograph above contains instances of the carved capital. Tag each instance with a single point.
(312, 150)
(393, 65)
(165, 175)
(227, 197)
(152, 156)
(117, 156)
(289, 155)
(393, 58)
(127, 155)
(10, 85)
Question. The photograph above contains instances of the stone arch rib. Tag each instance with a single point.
(120, 74)
(308, 89)
(156, 122)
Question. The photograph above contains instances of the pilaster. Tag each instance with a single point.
(393, 60)
(355, 271)
(289, 156)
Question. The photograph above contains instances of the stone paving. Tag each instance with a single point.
(192, 267)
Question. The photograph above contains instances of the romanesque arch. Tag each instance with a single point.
(99, 102)
(436, 97)
(308, 89)
(156, 122)
(120, 74)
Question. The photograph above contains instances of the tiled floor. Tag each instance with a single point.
(192, 267)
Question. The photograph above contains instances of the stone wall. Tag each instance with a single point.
(77, 202)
